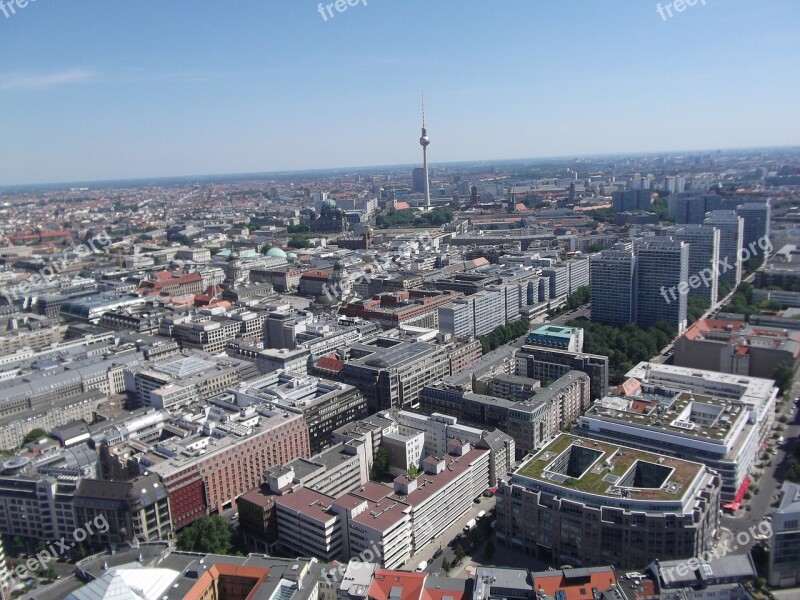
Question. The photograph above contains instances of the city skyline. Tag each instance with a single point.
(288, 91)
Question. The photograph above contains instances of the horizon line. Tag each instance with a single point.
(5, 188)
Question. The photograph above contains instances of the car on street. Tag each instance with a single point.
(422, 566)
(438, 553)
(470, 525)
(481, 514)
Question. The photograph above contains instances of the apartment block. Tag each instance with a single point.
(585, 502)
(550, 364)
(612, 283)
(392, 373)
(703, 241)
(731, 236)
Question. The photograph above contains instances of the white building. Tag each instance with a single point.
(718, 419)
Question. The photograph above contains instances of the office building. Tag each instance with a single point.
(557, 337)
(731, 235)
(417, 308)
(549, 364)
(579, 270)
(325, 405)
(440, 429)
(784, 556)
(204, 472)
(418, 181)
(134, 510)
(530, 423)
(756, 228)
(630, 200)
(662, 275)
(703, 241)
(583, 502)
(613, 290)
(722, 419)
(737, 347)
(392, 373)
(691, 207)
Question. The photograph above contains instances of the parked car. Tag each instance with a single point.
(470, 524)
(422, 566)
(438, 553)
(481, 514)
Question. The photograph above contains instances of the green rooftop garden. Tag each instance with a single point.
(576, 476)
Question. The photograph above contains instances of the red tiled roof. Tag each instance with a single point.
(411, 585)
(329, 363)
(550, 584)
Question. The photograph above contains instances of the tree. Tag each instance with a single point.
(380, 462)
(208, 534)
(783, 375)
(460, 554)
(34, 435)
(413, 472)
(446, 566)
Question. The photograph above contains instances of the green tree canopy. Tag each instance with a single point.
(380, 462)
(783, 376)
(207, 534)
(35, 434)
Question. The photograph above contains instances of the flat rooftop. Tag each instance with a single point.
(610, 470)
(753, 391)
(691, 415)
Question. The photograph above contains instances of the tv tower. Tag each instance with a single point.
(425, 141)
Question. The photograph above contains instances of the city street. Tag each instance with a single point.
(769, 481)
(455, 529)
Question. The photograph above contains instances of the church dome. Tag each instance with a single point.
(277, 253)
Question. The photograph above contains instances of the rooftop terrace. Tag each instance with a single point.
(610, 470)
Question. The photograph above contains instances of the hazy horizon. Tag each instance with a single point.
(106, 92)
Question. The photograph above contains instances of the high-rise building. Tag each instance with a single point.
(635, 199)
(662, 266)
(731, 234)
(418, 181)
(691, 207)
(612, 281)
(703, 243)
(756, 226)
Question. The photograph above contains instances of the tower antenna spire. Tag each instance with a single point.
(425, 141)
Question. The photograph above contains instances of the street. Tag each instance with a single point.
(455, 529)
(768, 481)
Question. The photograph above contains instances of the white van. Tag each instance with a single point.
(470, 524)
(422, 566)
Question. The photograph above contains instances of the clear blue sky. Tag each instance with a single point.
(99, 89)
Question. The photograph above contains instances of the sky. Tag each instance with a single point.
(99, 89)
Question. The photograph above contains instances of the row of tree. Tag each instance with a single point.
(625, 346)
(503, 334)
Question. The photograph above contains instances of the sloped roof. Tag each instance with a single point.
(127, 582)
